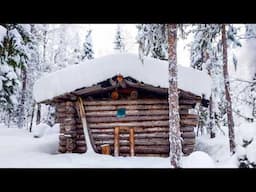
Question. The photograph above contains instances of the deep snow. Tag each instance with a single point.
(151, 71)
(19, 149)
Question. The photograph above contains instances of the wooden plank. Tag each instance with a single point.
(144, 149)
(188, 95)
(116, 142)
(150, 141)
(136, 135)
(132, 142)
(152, 155)
(188, 141)
(128, 107)
(147, 87)
(129, 112)
(189, 116)
(130, 124)
(126, 119)
(137, 130)
(189, 122)
(126, 102)
(187, 102)
(187, 129)
(188, 134)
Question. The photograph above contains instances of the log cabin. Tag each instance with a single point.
(124, 103)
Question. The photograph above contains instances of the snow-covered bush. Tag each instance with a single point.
(246, 145)
(40, 129)
(198, 159)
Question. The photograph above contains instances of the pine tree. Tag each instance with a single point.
(119, 40)
(88, 48)
(174, 119)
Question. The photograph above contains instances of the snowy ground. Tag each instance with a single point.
(19, 149)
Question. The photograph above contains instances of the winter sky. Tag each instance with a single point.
(103, 36)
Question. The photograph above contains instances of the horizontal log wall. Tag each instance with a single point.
(149, 118)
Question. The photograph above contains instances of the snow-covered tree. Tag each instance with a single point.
(203, 57)
(174, 119)
(88, 48)
(61, 54)
(152, 39)
(29, 75)
(13, 57)
(119, 40)
(160, 41)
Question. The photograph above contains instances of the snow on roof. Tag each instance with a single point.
(151, 71)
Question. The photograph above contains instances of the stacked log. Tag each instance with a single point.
(69, 140)
(148, 117)
(188, 122)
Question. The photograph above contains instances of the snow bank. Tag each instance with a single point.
(151, 71)
(52, 130)
(40, 129)
(246, 140)
(2, 33)
(198, 159)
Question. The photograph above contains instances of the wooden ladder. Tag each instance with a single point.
(131, 140)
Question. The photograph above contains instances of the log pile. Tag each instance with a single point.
(148, 117)
(71, 137)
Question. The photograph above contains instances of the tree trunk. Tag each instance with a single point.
(205, 57)
(227, 93)
(173, 99)
(38, 114)
(21, 119)
(32, 117)
(210, 125)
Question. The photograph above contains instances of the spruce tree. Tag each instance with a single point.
(119, 40)
(88, 48)
(13, 57)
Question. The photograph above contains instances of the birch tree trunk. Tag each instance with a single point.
(173, 99)
(227, 93)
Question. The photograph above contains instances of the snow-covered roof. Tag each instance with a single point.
(151, 71)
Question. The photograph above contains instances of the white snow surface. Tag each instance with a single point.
(19, 149)
(2, 33)
(198, 159)
(40, 129)
(151, 71)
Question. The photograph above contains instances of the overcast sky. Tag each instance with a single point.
(103, 36)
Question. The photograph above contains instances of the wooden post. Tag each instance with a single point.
(131, 139)
(105, 149)
(116, 142)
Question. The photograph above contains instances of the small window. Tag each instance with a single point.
(121, 112)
